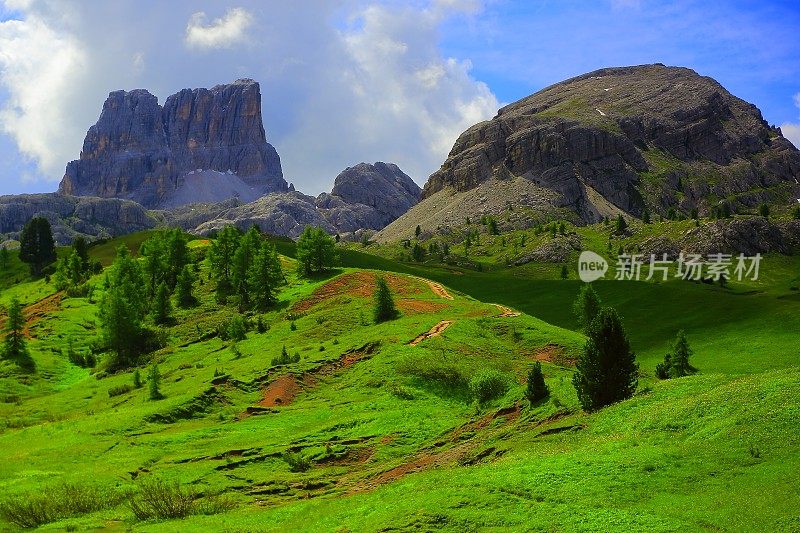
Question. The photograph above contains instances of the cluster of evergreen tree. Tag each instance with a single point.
(247, 267)
(74, 270)
(676, 363)
(316, 251)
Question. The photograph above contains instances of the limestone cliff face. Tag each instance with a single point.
(140, 151)
(646, 137)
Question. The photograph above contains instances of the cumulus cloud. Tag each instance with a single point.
(342, 81)
(791, 130)
(38, 66)
(222, 32)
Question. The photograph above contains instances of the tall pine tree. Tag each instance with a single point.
(384, 308)
(122, 309)
(586, 305)
(184, 286)
(220, 257)
(36, 245)
(243, 259)
(264, 277)
(15, 348)
(162, 307)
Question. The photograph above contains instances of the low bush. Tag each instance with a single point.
(56, 502)
(159, 499)
(445, 376)
(119, 390)
(487, 385)
(297, 462)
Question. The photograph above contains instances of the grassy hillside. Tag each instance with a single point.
(376, 427)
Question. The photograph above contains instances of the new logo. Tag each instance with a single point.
(591, 266)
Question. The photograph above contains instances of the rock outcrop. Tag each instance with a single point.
(368, 197)
(203, 145)
(71, 216)
(627, 140)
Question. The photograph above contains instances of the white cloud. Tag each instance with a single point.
(222, 32)
(38, 68)
(791, 130)
(375, 88)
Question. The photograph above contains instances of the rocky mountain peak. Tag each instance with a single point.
(379, 192)
(627, 139)
(203, 144)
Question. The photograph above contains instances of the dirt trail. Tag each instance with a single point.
(437, 288)
(36, 311)
(506, 312)
(435, 331)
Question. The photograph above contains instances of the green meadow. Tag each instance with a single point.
(376, 427)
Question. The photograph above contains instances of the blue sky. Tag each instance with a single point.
(345, 81)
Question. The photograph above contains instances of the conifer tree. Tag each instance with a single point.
(536, 388)
(221, 258)
(384, 308)
(80, 246)
(586, 305)
(606, 371)
(122, 308)
(315, 251)
(621, 225)
(36, 245)
(14, 347)
(676, 363)
(177, 256)
(183, 287)
(162, 307)
(5, 257)
(264, 277)
(154, 383)
(137, 379)
(243, 259)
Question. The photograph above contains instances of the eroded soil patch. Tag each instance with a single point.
(435, 331)
(360, 284)
(554, 354)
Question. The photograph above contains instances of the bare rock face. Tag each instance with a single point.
(71, 216)
(140, 151)
(647, 137)
(368, 196)
(285, 214)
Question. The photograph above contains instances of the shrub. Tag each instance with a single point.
(137, 379)
(237, 329)
(56, 502)
(297, 462)
(119, 390)
(443, 375)
(487, 385)
(284, 358)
